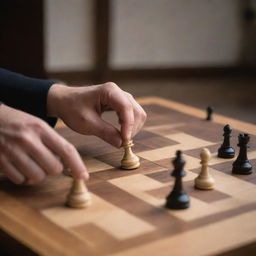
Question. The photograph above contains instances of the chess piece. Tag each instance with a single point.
(204, 180)
(242, 164)
(226, 151)
(178, 198)
(209, 113)
(78, 196)
(130, 161)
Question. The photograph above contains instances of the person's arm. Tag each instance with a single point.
(25, 93)
(30, 149)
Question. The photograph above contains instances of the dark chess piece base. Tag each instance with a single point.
(243, 168)
(226, 152)
(177, 201)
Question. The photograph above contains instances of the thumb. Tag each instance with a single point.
(106, 131)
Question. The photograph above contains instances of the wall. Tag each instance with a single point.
(149, 33)
(68, 35)
(145, 33)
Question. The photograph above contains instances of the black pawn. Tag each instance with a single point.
(226, 151)
(178, 198)
(242, 164)
(209, 111)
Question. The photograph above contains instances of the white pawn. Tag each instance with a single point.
(130, 160)
(204, 180)
(78, 196)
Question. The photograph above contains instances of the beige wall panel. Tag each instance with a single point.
(68, 35)
(173, 33)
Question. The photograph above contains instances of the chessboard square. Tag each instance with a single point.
(185, 142)
(170, 115)
(154, 120)
(191, 162)
(157, 142)
(145, 167)
(197, 151)
(73, 137)
(164, 129)
(156, 109)
(161, 192)
(205, 130)
(137, 185)
(112, 219)
(161, 176)
(95, 147)
(95, 236)
(208, 196)
(142, 135)
(113, 159)
(139, 147)
(94, 165)
(188, 141)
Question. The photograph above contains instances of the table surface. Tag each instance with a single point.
(127, 216)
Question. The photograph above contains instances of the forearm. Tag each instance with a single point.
(25, 93)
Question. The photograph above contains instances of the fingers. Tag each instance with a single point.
(67, 152)
(49, 162)
(25, 165)
(33, 157)
(10, 170)
(126, 116)
(130, 113)
(139, 115)
(114, 97)
(106, 131)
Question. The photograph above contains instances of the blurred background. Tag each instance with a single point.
(198, 52)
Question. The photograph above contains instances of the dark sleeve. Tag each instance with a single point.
(25, 93)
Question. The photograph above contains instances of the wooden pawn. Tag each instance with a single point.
(204, 180)
(78, 196)
(130, 160)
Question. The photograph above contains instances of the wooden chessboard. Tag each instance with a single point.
(127, 216)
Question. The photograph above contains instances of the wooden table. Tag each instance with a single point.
(127, 216)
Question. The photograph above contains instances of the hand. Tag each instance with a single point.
(81, 108)
(30, 149)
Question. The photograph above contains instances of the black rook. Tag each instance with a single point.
(242, 164)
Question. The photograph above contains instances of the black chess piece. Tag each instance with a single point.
(178, 198)
(242, 164)
(209, 111)
(226, 151)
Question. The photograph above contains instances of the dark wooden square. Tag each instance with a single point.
(227, 168)
(158, 142)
